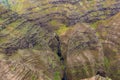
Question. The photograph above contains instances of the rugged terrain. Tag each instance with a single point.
(59, 39)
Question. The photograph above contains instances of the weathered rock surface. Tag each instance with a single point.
(25, 50)
(30, 65)
(84, 53)
(47, 40)
(85, 10)
(17, 32)
(109, 32)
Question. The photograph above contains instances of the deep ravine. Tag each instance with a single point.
(59, 53)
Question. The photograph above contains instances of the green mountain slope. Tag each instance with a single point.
(59, 39)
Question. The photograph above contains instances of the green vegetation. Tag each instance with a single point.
(57, 76)
(16, 23)
(63, 28)
(12, 68)
(94, 25)
(54, 22)
(1, 20)
(62, 67)
(39, 21)
(87, 70)
(2, 56)
(52, 62)
(107, 64)
(34, 77)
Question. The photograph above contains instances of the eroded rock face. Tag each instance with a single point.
(25, 49)
(17, 32)
(69, 12)
(30, 65)
(109, 32)
(84, 52)
(33, 34)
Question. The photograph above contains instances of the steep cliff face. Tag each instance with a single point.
(69, 11)
(30, 65)
(17, 32)
(59, 39)
(25, 49)
(84, 54)
(109, 32)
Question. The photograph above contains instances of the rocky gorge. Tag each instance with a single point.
(59, 39)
